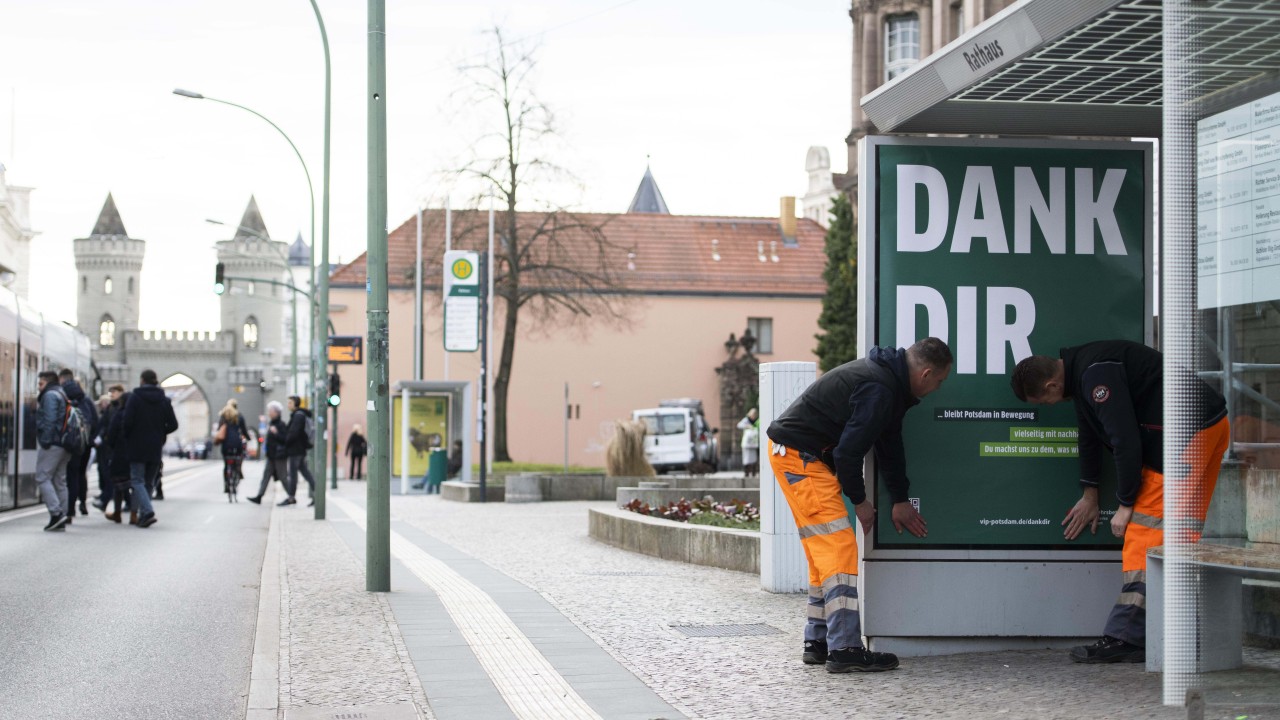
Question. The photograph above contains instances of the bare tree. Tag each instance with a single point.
(554, 267)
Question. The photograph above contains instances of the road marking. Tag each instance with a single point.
(523, 676)
(179, 478)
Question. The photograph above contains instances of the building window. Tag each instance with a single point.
(130, 286)
(251, 333)
(84, 284)
(901, 44)
(249, 287)
(107, 331)
(106, 286)
(957, 19)
(762, 330)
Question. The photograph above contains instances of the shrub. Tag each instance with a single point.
(735, 513)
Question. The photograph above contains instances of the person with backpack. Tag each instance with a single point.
(232, 436)
(277, 464)
(52, 409)
(148, 419)
(299, 438)
(78, 465)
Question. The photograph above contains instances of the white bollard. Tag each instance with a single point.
(782, 564)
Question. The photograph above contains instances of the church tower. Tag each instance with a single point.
(109, 283)
(253, 309)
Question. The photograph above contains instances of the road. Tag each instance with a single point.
(113, 621)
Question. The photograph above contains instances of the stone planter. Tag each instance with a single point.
(655, 497)
(697, 544)
(458, 491)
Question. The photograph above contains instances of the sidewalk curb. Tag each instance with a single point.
(264, 675)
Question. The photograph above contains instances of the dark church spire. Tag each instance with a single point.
(648, 197)
(109, 222)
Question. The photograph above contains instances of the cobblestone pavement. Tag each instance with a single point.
(628, 602)
(339, 645)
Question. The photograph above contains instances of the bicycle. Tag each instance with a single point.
(231, 476)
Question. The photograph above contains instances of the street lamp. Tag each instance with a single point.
(311, 194)
(293, 296)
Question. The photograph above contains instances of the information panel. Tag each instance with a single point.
(1238, 205)
(461, 301)
(1003, 249)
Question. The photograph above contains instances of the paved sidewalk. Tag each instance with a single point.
(505, 611)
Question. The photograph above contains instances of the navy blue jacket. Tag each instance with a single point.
(148, 419)
(849, 411)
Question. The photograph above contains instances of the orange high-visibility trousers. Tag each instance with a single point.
(830, 545)
(1203, 458)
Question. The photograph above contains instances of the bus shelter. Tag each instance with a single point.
(1065, 205)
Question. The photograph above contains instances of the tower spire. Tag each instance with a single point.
(648, 197)
(109, 222)
(251, 221)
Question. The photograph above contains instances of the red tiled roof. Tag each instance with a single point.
(673, 254)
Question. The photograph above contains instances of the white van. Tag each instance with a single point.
(677, 435)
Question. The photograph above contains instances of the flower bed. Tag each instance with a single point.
(735, 514)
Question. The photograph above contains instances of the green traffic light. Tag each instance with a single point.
(219, 288)
(334, 401)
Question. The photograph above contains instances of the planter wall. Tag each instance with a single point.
(458, 491)
(697, 544)
(656, 497)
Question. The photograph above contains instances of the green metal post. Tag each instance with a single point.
(377, 564)
(322, 293)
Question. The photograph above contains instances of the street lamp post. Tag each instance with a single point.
(323, 305)
(311, 194)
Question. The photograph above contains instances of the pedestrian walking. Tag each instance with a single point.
(277, 465)
(148, 420)
(816, 449)
(232, 437)
(51, 458)
(357, 448)
(118, 465)
(299, 438)
(78, 464)
(750, 427)
(107, 408)
(1117, 387)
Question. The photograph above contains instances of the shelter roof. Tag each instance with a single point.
(1085, 68)
(657, 254)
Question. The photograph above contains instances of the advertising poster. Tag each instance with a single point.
(428, 428)
(1003, 249)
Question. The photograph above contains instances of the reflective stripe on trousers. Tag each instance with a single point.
(830, 546)
(1128, 619)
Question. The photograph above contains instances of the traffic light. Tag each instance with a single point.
(335, 390)
(219, 286)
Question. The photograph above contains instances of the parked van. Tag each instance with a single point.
(677, 436)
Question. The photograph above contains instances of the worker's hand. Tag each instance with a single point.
(906, 517)
(866, 513)
(1120, 520)
(1084, 513)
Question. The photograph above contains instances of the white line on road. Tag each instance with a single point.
(179, 478)
(523, 676)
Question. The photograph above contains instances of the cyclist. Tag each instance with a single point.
(232, 436)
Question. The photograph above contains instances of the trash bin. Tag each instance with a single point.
(437, 469)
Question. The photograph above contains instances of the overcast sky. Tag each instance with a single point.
(726, 97)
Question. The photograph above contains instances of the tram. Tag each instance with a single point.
(30, 343)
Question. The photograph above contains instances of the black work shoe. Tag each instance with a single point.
(56, 522)
(146, 520)
(860, 660)
(815, 652)
(1109, 650)
(287, 501)
(83, 510)
(255, 499)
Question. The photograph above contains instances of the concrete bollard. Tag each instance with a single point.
(783, 567)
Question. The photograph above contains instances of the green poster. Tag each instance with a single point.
(428, 429)
(1003, 249)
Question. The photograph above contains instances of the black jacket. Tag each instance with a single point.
(1118, 390)
(296, 441)
(847, 412)
(113, 440)
(148, 419)
(276, 440)
(357, 446)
